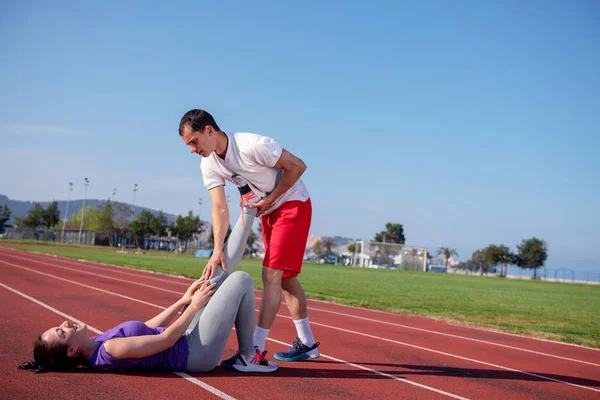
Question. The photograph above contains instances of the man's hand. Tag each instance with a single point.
(189, 293)
(218, 258)
(262, 205)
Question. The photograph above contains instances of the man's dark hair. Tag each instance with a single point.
(197, 120)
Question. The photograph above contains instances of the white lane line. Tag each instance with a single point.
(452, 355)
(185, 376)
(346, 315)
(350, 331)
(457, 337)
(273, 340)
(180, 292)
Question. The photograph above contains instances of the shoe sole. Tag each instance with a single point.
(299, 357)
(252, 368)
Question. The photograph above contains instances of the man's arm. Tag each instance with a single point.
(220, 226)
(293, 168)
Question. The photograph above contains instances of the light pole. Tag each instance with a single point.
(114, 193)
(199, 207)
(67, 211)
(133, 204)
(87, 182)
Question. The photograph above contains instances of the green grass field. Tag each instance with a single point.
(565, 312)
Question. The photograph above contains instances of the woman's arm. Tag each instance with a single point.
(144, 346)
(166, 315)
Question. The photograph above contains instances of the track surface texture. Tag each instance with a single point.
(365, 354)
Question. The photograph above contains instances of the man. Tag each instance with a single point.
(281, 201)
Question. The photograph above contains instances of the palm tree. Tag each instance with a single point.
(328, 244)
(447, 252)
(413, 254)
(504, 257)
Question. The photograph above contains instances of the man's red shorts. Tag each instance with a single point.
(285, 232)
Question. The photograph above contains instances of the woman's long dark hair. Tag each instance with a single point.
(51, 358)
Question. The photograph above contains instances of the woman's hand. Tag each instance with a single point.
(189, 293)
(203, 295)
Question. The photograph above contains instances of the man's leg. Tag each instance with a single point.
(296, 302)
(285, 233)
(294, 298)
(306, 346)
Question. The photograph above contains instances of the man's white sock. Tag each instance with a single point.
(304, 332)
(260, 337)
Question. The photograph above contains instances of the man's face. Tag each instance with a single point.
(202, 143)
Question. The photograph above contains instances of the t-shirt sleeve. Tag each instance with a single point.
(265, 151)
(210, 178)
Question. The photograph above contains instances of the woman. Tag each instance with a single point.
(150, 345)
(194, 342)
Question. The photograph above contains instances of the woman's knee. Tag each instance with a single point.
(241, 278)
(201, 369)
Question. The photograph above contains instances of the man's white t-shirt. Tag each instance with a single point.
(253, 157)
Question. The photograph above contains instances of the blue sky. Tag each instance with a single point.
(470, 123)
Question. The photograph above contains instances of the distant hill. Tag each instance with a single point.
(19, 208)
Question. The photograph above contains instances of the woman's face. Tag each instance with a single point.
(69, 333)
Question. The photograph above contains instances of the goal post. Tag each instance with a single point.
(371, 254)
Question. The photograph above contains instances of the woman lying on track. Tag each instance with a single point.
(191, 343)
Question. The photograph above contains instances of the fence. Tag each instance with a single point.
(72, 236)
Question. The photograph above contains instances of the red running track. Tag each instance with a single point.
(366, 354)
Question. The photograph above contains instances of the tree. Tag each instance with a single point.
(504, 257)
(447, 252)
(252, 238)
(211, 237)
(4, 217)
(490, 255)
(328, 244)
(481, 258)
(121, 215)
(159, 224)
(90, 219)
(413, 254)
(51, 215)
(143, 226)
(318, 248)
(352, 247)
(533, 253)
(106, 224)
(186, 227)
(477, 258)
(19, 222)
(34, 216)
(394, 233)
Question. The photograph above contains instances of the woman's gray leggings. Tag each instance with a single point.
(232, 303)
(209, 330)
(233, 250)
